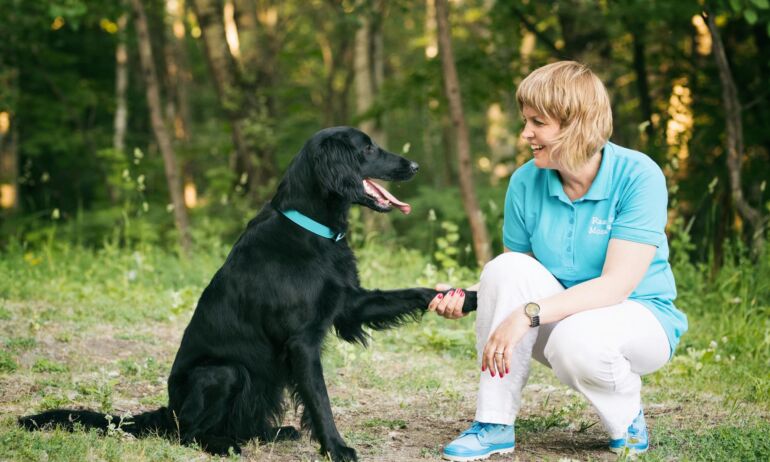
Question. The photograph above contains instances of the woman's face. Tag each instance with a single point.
(540, 131)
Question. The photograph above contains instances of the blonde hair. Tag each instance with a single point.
(568, 92)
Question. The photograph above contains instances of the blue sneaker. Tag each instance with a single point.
(636, 439)
(481, 441)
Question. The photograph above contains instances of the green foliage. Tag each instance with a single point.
(46, 365)
(58, 72)
(439, 226)
(113, 284)
(7, 362)
(746, 442)
(101, 391)
(393, 424)
(64, 446)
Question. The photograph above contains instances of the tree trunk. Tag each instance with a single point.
(368, 68)
(336, 38)
(734, 136)
(368, 65)
(158, 126)
(120, 120)
(178, 78)
(121, 86)
(465, 172)
(259, 170)
(223, 69)
(257, 24)
(9, 162)
(638, 35)
(9, 155)
(178, 75)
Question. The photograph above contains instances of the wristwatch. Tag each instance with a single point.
(532, 310)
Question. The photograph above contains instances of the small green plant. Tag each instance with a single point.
(21, 343)
(53, 401)
(393, 424)
(550, 417)
(128, 367)
(46, 365)
(696, 359)
(101, 391)
(446, 251)
(7, 362)
(461, 342)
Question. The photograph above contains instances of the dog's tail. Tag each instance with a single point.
(157, 422)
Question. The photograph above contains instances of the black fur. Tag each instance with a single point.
(259, 325)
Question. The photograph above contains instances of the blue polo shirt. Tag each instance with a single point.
(627, 200)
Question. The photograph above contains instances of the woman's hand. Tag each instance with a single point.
(449, 305)
(499, 348)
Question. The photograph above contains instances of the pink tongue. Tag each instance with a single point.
(403, 206)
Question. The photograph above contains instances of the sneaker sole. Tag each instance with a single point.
(469, 458)
(631, 451)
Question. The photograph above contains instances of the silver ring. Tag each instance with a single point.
(498, 353)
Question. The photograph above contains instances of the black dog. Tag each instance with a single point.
(260, 323)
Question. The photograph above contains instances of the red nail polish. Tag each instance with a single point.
(451, 292)
(502, 375)
(483, 368)
(440, 296)
(462, 294)
(507, 371)
(492, 372)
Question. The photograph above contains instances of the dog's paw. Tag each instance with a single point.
(219, 446)
(342, 453)
(287, 433)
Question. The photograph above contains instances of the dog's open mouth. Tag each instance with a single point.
(383, 197)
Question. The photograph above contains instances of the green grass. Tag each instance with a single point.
(99, 328)
(60, 445)
(747, 442)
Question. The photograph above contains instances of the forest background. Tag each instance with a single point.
(138, 137)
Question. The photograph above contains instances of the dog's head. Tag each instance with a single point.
(345, 162)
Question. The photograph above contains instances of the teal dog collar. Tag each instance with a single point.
(312, 225)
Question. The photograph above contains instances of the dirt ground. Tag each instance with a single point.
(380, 412)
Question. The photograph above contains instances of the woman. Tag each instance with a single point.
(586, 258)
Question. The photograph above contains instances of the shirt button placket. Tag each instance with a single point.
(571, 238)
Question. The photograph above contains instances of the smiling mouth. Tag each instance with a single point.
(384, 198)
(536, 147)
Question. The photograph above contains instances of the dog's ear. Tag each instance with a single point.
(337, 167)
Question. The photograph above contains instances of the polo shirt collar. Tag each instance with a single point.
(600, 188)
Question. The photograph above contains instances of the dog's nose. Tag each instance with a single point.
(414, 166)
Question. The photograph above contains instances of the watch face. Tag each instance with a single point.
(532, 309)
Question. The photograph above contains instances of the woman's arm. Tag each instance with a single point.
(450, 304)
(624, 267)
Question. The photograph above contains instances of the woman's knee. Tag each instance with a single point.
(511, 266)
(580, 359)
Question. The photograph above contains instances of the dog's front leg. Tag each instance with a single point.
(381, 309)
(309, 381)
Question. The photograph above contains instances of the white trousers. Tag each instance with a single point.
(602, 353)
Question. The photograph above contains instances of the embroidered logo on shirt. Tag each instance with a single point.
(599, 226)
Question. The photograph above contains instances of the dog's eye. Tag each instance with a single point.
(369, 149)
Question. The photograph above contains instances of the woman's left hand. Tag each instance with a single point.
(503, 340)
